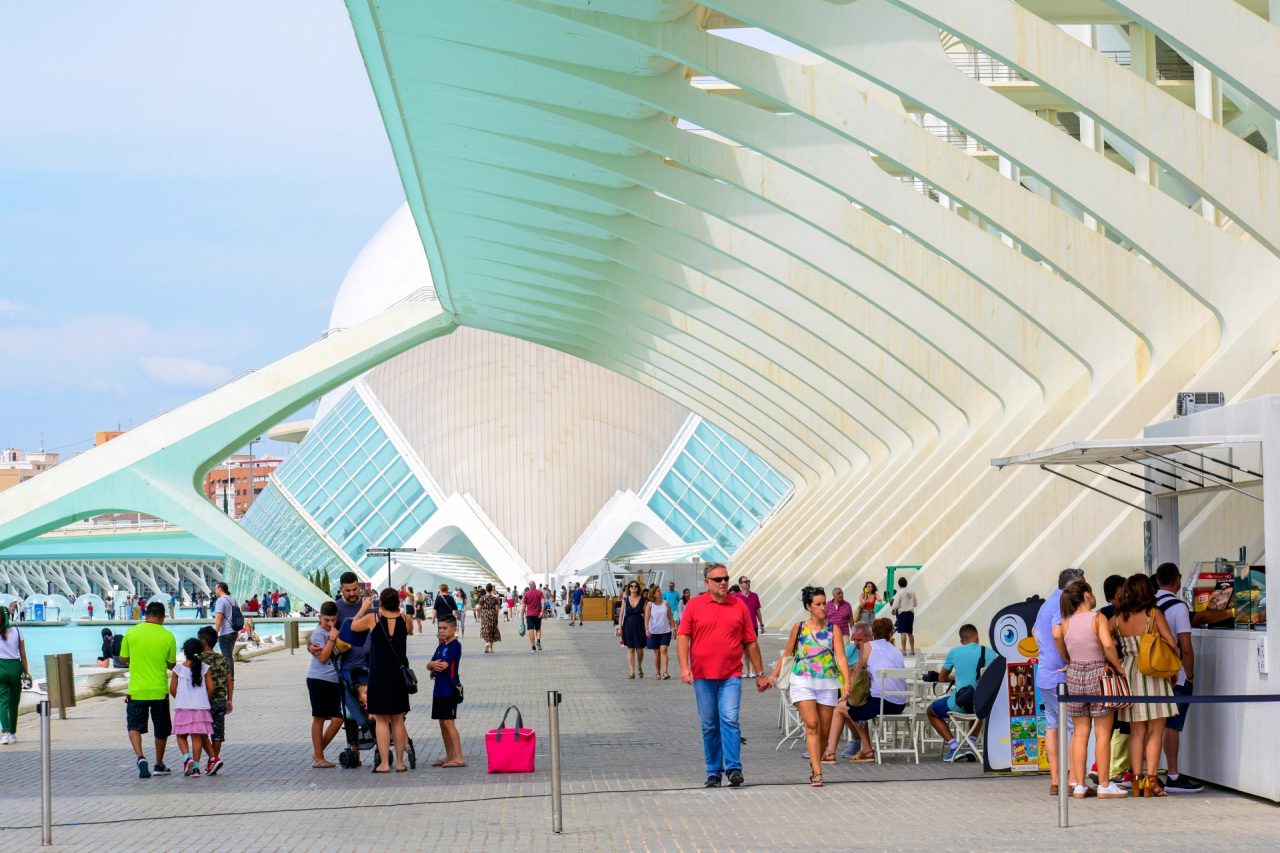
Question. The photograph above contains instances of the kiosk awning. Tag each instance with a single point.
(1118, 451)
(1146, 454)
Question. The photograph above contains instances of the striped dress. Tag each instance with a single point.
(1143, 685)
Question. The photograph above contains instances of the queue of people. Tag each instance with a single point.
(1081, 644)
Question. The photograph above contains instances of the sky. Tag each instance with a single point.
(182, 188)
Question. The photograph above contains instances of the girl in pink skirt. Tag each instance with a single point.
(191, 685)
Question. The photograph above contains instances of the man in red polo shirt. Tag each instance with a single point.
(714, 631)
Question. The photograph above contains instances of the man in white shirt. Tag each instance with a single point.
(1178, 615)
(903, 607)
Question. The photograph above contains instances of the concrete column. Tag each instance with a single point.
(1010, 170)
(1208, 92)
(1142, 61)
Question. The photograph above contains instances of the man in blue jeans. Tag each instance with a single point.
(713, 635)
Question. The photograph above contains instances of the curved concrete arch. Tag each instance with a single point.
(1223, 35)
(939, 269)
(850, 105)
(902, 53)
(1221, 166)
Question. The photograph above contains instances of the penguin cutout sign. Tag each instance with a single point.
(1006, 696)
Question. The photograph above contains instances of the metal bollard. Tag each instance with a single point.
(557, 808)
(1064, 736)
(46, 775)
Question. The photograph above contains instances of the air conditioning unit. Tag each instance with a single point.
(1190, 402)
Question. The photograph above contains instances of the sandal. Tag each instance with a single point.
(1153, 788)
(438, 763)
(452, 765)
(322, 765)
(631, 675)
(376, 770)
(815, 780)
(402, 769)
(863, 756)
(829, 758)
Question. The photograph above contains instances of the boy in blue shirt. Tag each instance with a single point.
(446, 693)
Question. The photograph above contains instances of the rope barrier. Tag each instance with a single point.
(1064, 696)
(1179, 700)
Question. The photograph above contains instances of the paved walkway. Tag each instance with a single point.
(632, 774)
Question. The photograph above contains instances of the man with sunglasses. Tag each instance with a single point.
(715, 631)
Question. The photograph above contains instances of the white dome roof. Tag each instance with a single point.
(389, 267)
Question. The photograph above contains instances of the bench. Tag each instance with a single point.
(98, 679)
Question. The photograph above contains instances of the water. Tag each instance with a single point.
(85, 641)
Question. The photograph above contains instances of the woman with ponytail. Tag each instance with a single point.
(191, 685)
(13, 666)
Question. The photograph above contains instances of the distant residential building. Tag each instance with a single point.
(18, 466)
(103, 436)
(232, 486)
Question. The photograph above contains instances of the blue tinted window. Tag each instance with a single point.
(350, 480)
(717, 489)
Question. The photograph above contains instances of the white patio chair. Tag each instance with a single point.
(967, 730)
(792, 725)
(896, 733)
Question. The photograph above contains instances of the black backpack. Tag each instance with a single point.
(237, 618)
(965, 695)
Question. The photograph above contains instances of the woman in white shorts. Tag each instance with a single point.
(819, 676)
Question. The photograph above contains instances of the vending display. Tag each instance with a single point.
(1026, 718)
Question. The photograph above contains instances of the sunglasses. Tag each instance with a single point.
(721, 579)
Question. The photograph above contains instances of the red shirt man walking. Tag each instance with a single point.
(714, 632)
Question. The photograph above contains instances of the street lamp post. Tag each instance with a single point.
(387, 552)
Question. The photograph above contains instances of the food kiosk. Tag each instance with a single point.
(1208, 488)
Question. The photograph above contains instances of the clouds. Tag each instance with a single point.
(10, 307)
(184, 372)
(113, 354)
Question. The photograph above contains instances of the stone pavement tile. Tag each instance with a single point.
(632, 764)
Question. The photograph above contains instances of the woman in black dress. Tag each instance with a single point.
(388, 699)
(631, 628)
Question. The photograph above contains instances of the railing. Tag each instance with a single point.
(987, 70)
(920, 187)
(241, 375)
(1165, 69)
(956, 137)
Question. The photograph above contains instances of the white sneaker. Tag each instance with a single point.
(1112, 791)
(6, 738)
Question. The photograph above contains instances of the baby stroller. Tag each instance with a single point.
(353, 715)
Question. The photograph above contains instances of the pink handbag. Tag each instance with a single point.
(510, 750)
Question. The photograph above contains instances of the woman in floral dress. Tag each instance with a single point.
(487, 607)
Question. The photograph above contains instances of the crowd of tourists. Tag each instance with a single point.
(1142, 636)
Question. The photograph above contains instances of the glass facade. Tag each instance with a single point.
(351, 481)
(276, 524)
(349, 477)
(717, 489)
